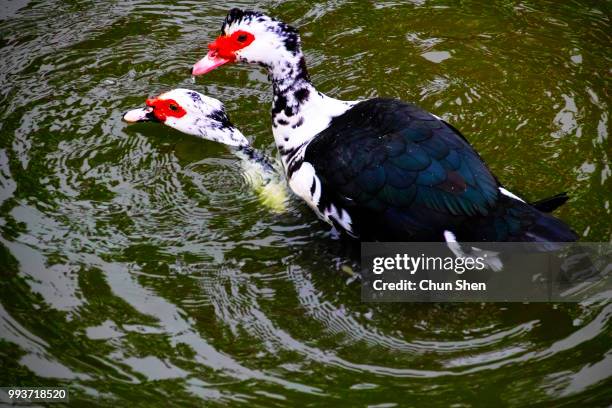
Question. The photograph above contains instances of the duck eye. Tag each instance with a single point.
(242, 38)
(173, 107)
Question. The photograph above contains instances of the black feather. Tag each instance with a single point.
(403, 174)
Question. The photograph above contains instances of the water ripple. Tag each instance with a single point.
(139, 257)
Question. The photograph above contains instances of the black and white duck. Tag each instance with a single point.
(195, 114)
(377, 169)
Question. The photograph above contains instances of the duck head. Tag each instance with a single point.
(251, 36)
(192, 113)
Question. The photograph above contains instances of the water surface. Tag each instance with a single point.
(136, 264)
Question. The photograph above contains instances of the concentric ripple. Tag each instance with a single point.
(139, 264)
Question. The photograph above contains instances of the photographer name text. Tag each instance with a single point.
(428, 285)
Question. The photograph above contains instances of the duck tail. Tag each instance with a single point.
(539, 226)
(550, 204)
(550, 229)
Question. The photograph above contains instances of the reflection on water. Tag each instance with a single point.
(138, 263)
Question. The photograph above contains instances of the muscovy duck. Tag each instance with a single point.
(195, 114)
(377, 169)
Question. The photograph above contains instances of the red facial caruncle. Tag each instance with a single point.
(165, 108)
(226, 46)
(222, 50)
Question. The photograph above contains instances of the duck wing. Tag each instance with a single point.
(399, 166)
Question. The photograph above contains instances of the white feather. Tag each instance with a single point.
(491, 258)
(509, 194)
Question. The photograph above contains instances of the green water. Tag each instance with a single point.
(138, 267)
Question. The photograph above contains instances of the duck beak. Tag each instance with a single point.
(140, 115)
(211, 61)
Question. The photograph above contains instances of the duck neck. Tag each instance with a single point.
(251, 155)
(299, 111)
(224, 132)
(289, 74)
